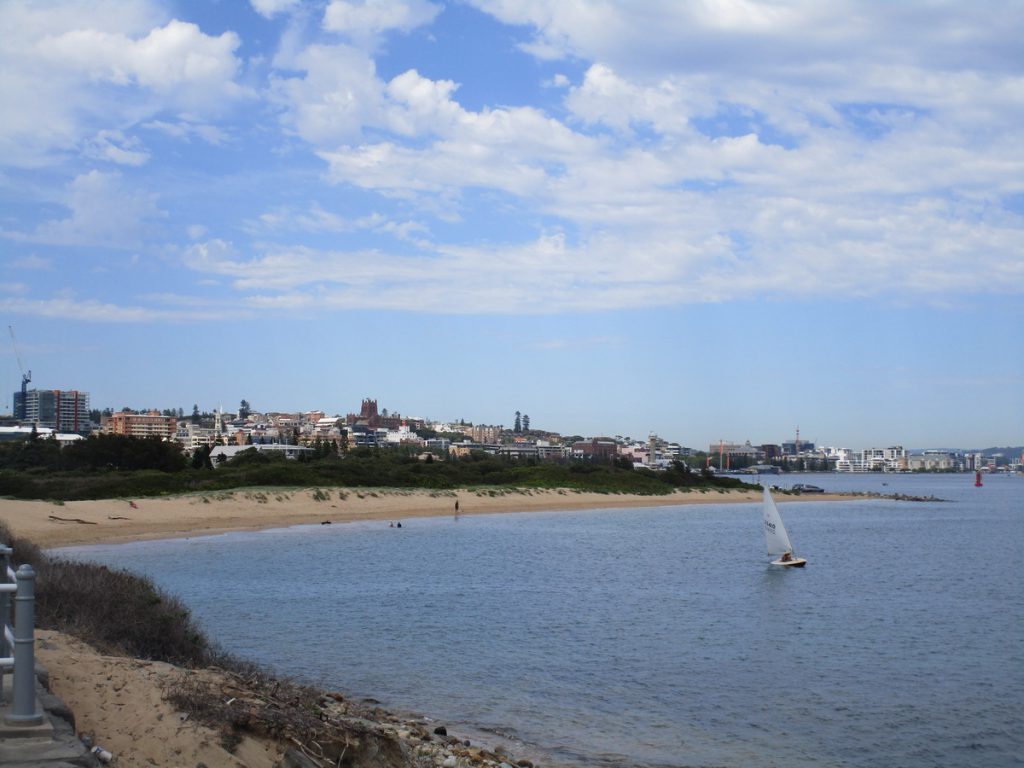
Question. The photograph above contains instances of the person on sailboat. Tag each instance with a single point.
(786, 557)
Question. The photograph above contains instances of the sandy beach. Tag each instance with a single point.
(118, 701)
(50, 524)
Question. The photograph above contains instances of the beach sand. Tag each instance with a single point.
(50, 524)
(119, 700)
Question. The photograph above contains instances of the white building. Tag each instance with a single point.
(42, 433)
(222, 453)
(891, 459)
(403, 436)
(932, 461)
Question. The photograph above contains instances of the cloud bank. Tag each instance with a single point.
(676, 153)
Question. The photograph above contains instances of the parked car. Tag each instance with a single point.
(807, 488)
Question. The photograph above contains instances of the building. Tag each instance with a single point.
(62, 410)
(891, 459)
(192, 436)
(797, 447)
(483, 433)
(151, 424)
(932, 461)
(42, 433)
(402, 436)
(601, 448)
(729, 452)
(222, 453)
(369, 416)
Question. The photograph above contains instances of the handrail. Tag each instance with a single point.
(17, 640)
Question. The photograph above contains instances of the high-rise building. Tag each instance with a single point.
(62, 410)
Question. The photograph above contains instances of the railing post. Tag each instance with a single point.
(24, 710)
(5, 611)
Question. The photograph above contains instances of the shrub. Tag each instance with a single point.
(114, 610)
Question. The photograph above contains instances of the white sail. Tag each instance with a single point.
(775, 535)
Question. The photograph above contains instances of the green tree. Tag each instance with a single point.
(526, 423)
(244, 409)
(517, 427)
(201, 457)
(196, 417)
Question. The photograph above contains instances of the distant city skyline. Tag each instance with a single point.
(713, 221)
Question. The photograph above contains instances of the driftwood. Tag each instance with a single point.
(319, 727)
(73, 520)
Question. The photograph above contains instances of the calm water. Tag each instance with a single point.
(652, 637)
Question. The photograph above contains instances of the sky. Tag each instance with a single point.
(707, 219)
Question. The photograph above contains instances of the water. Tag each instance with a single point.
(652, 637)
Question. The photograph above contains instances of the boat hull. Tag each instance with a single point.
(796, 562)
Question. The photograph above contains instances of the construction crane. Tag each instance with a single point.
(25, 377)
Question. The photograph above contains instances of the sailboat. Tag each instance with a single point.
(775, 536)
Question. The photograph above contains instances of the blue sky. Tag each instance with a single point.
(712, 220)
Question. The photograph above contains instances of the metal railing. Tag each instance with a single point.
(17, 640)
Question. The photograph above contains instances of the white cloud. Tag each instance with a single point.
(338, 95)
(93, 311)
(104, 210)
(708, 151)
(33, 262)
(314, 219)
(185, 127)
(72, 71)
(363, 20)
(175, 57)
(115, 147)
(271, 8)
(786, 41)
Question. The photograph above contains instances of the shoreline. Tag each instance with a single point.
(51, 524)
(122, 702)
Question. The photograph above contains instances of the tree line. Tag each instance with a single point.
(106, 466)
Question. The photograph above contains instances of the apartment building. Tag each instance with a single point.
(483, 433)
(62, 410)
(151, 424)
(891, 459)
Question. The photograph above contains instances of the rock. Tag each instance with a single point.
(449, 762)
(524, 764)
(441, 730)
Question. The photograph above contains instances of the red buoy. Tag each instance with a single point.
(977, 479)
